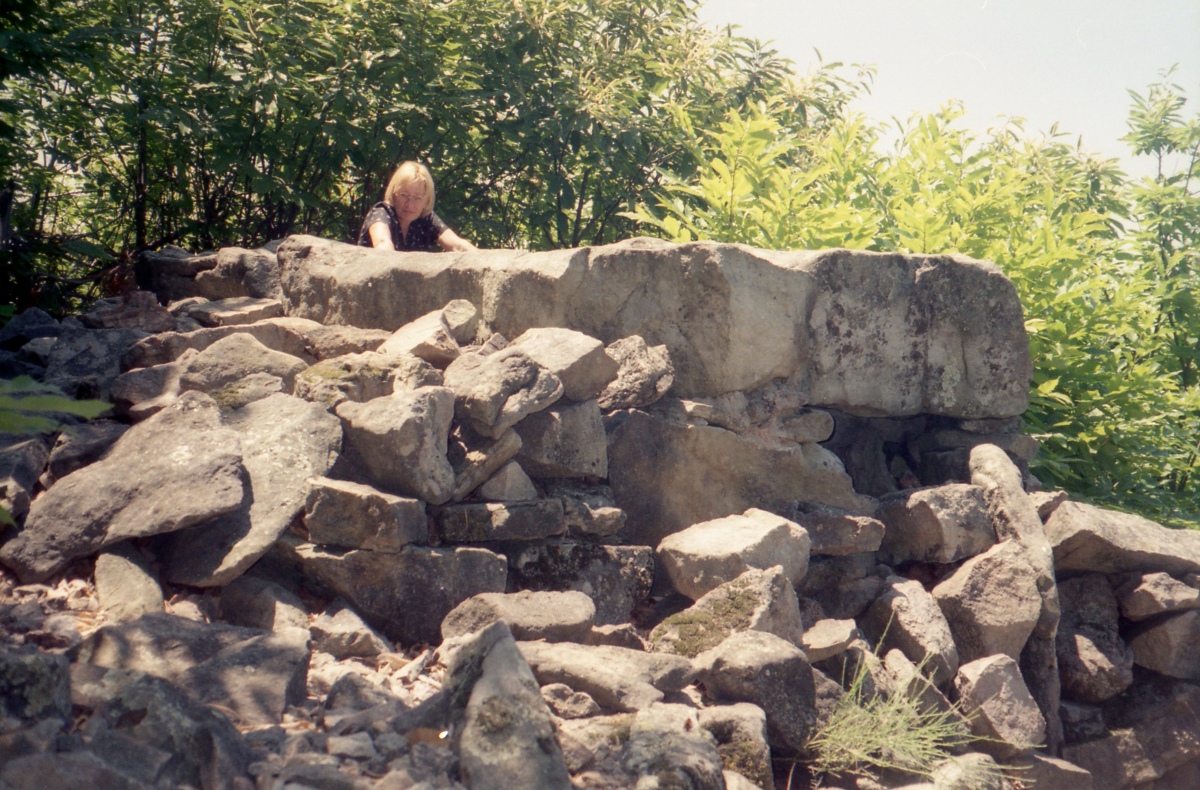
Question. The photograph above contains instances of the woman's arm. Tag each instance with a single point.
(381, 237)
(452, 242)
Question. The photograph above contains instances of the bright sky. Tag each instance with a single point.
(1070, 61)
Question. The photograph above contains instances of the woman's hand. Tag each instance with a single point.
(450, 241)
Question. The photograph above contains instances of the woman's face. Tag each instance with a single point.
(409, 200)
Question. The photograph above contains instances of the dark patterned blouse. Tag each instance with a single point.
(423, 231)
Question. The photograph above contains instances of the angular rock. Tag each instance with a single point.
(364, 377)
(617, 678)
(462, 318)
(659, 472)
(904, 677)
(588, 509)
(999, 708)
(907, 618)
(741, 733)
(835, 532)
(497, 391)
(235, 310)
(769, 672)
(564, 441)
(232, 358)
(579, 361)
(507, 738)
(567, 704)
(73, 769)
(755, 601)
(616, 578)
(256, 679)
(387, 588)
(509, 484)
(136, 310)
(624, 635)
(550, 616)
(1038, 770)
(970, 771)
(340, 632)
(644, 375)
(475, 459)
(84, 362)
(126, 586)
(428, 338)
(1094, 540)
(401, 441)
(707, 555)
(1094, 663)
(491, 521)
(29, 324)
(357, 516)
(827, 638)
(175, 470)
(1168, 645)
(843, 587)
(1047, 502)
(991, 602)
(285, 441)
(942, 524)
(257, 603)
(160, 644)
(725, 411)
(33, 684)
(240, 272)
(82, 445)
(1151, 594)
(21, 464)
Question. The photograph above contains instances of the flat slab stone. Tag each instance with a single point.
(1088, 538)
(357, 516)
(235, 310)
(490, 521)
(617, 678)
(616, 578)
(579, 361)
(552, 616)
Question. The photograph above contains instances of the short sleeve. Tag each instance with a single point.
(378, 213)
(439, 226)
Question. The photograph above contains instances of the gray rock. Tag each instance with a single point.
(475, 459)
(843, 587)
(659, 473)
(175, 470)
(970, 771)
(1150, 594)
(644, 375)
(1168, 645)
(240, 272)
(564, 441)
(740, 730)
(355, 747)
(589, 510)
(285, 441)
(907, 618)
(707, 555)
(364, 377)
(496, 392)
(492, 521)
(623, 635)
(160, 644)
(257, 603)
(999, 708)
(21, 464)
(943, 524)
(235, 310)
(617, 678)
(401, 441)
(755, 601)
(340, 632)
(509, 484)
(827, 638)
(33, 684)
(836, 532)
(552, 616)
(579, 361)
(126, 586)
(1094, 540)
(136, 310)
(257, 679)
(80, 445)
(507, 739)
(462, 318)
(616, 578)
(73, 769)
(357, 516)
(30, 323)
(566, 703)
(769, 672)
(1094, 663)
(385, 587)
(991, 603)
(84, 362)
(428, 338)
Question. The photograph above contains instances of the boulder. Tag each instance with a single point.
(235, 310)
(476, 458)
(760, 668)
(1090, 539)
(565, 703)
(257, 603)
(589, 509)
(364, 377)
(29, 324)
(999, 708)
(644, 375)
(844, 586)
(616, 578)
(1147, 595)
(340, 632)
(660, 473)
(617, 678)
(82, 445)
(126, 585)
(240, 272)
(827, 638)
(550, 616)
(134, 310)
(257, 679)
(707, 555)
(21, 464)
(401, 441)
(740, 730)
(1094, 663)
(33, 684)
(428, 338)
(991, 603)
(941, 524)
(1038, 770)
(176, 469)
(497, 391)
(564, 441)
(285, 441)
(877, 333)
(493, 521)
(357, 516)
(758, 600)
(84, 362)
(907, 618)
(579, 361)
(1168, 645)
(836, 532)
(509, 484)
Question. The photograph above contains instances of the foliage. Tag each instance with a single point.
(1106, 269)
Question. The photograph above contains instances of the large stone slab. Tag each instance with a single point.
(1092, 539)
(564, 441)
(496, 391)
(177, 469)
(865, 332)
(579, 361)
(84, 362)
(941, 524)
(552, 616)
(357, 516)
(285, 441)
(616, 578)
(907, 618)
(616, 677)
(662, 474)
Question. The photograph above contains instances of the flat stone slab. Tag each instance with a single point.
(475, 523)
(617, 678)
(1088, 538)
(552, 616)
(357, 516)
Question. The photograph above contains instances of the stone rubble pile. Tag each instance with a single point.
(633, 516)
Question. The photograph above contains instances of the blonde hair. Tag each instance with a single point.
(410, 173)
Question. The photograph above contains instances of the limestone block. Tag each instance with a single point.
(644, 375)
(126, 585)
(428, 338)
(357, 516)
(941, 524)
(564, 441)
(340, 632)
(707, 555)
(616, 578)
(1168, 646)
(579, 361)
(240, 272)
(758, 600)
(364, 377)
(401, 441)
(907, 618)
(497, 391)
(566, 703)
(617, 678)
(826, 638)
(1091, 539)
(836, 532)
(552, 616)
(589, 509)
(999, 707)
(257, 603)
(135, 310)
(991, 602)
(1094, 663)
(235, 310)
(1150, 594)
(489, 521)
(509, 484)
(476, 458)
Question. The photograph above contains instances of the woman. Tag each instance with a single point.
(405, 219)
